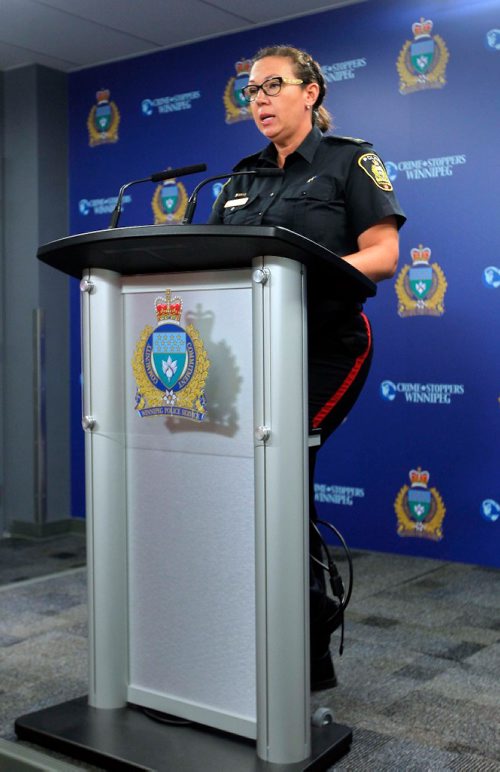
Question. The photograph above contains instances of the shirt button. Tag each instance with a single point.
(271, 194)
(260, 214)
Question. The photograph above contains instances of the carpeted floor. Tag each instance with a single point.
(419, 680)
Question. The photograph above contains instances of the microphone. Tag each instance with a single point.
(193, 198)
(167, 174)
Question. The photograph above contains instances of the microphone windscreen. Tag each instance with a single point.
(181, 171)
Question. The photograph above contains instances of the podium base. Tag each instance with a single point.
(126, 739)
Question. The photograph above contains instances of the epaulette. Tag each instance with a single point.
(353, 140)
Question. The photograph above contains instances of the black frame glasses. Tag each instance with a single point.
(270, 86)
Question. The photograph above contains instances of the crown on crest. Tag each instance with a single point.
(103, 95)
(419, 477)
(168, 308)
(243, 67)
(422, 28)
(421, 254)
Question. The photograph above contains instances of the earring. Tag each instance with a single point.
(308, 107)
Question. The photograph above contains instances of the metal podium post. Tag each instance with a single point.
(103, 421)
(281, 516)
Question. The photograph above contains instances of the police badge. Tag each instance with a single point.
(236, 105)
(170, 365)
(420, 511)
(422, 63)
(375, 169)
(421, 288)
(169, 202)
(103, 120)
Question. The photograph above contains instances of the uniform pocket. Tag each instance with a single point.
(247, 213)
(318, 189)
(311, 204)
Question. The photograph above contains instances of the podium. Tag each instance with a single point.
(196, 446)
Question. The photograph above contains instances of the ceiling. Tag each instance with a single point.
(70, 34)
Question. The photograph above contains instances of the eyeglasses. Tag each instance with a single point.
(270, 86)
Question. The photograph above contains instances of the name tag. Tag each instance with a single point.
(236, 202)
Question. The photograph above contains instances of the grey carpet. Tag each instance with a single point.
(419, 680)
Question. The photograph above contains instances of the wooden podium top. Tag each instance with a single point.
(153, 249)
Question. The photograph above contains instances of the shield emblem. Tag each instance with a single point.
(169, 197)
(169, 354)
(240, 82)
(419, 503)
(422, 53)
(103, 117)
(420, 279)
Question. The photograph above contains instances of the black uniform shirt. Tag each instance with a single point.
(333, 189)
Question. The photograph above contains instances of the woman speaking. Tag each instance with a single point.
(335, 191)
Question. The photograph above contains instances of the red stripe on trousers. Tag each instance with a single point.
(349, 380)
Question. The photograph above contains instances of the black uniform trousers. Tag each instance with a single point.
(340, 354)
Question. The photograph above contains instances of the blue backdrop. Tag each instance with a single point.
(415, 468)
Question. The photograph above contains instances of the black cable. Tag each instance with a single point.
(318, 562)
(165, 718)
(347, 553)
(336, 583)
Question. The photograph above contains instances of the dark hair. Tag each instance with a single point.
(307, 70)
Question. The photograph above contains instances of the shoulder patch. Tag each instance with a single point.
(352, 140)
(375, 169)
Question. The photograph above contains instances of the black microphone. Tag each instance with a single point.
(193, 198)
(167, 174)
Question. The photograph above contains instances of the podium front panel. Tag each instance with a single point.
(190, 503)
(196, 474)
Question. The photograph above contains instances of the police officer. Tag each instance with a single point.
(335, 191)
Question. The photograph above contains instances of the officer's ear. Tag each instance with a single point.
(311, 93)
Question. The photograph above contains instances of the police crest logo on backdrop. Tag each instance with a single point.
(421, 287)
(236, 105)
(420, 510)
(422, 61)
(103, 120)
(170, 365)
(169, 202)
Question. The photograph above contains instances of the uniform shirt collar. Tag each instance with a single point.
(267, 157)
(306, 149)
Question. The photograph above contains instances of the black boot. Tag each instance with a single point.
(325, 618)
(322, 672)
(325, 612)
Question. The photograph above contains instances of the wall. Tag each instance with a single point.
(414, 469)
(2, 283)
(35, 351)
